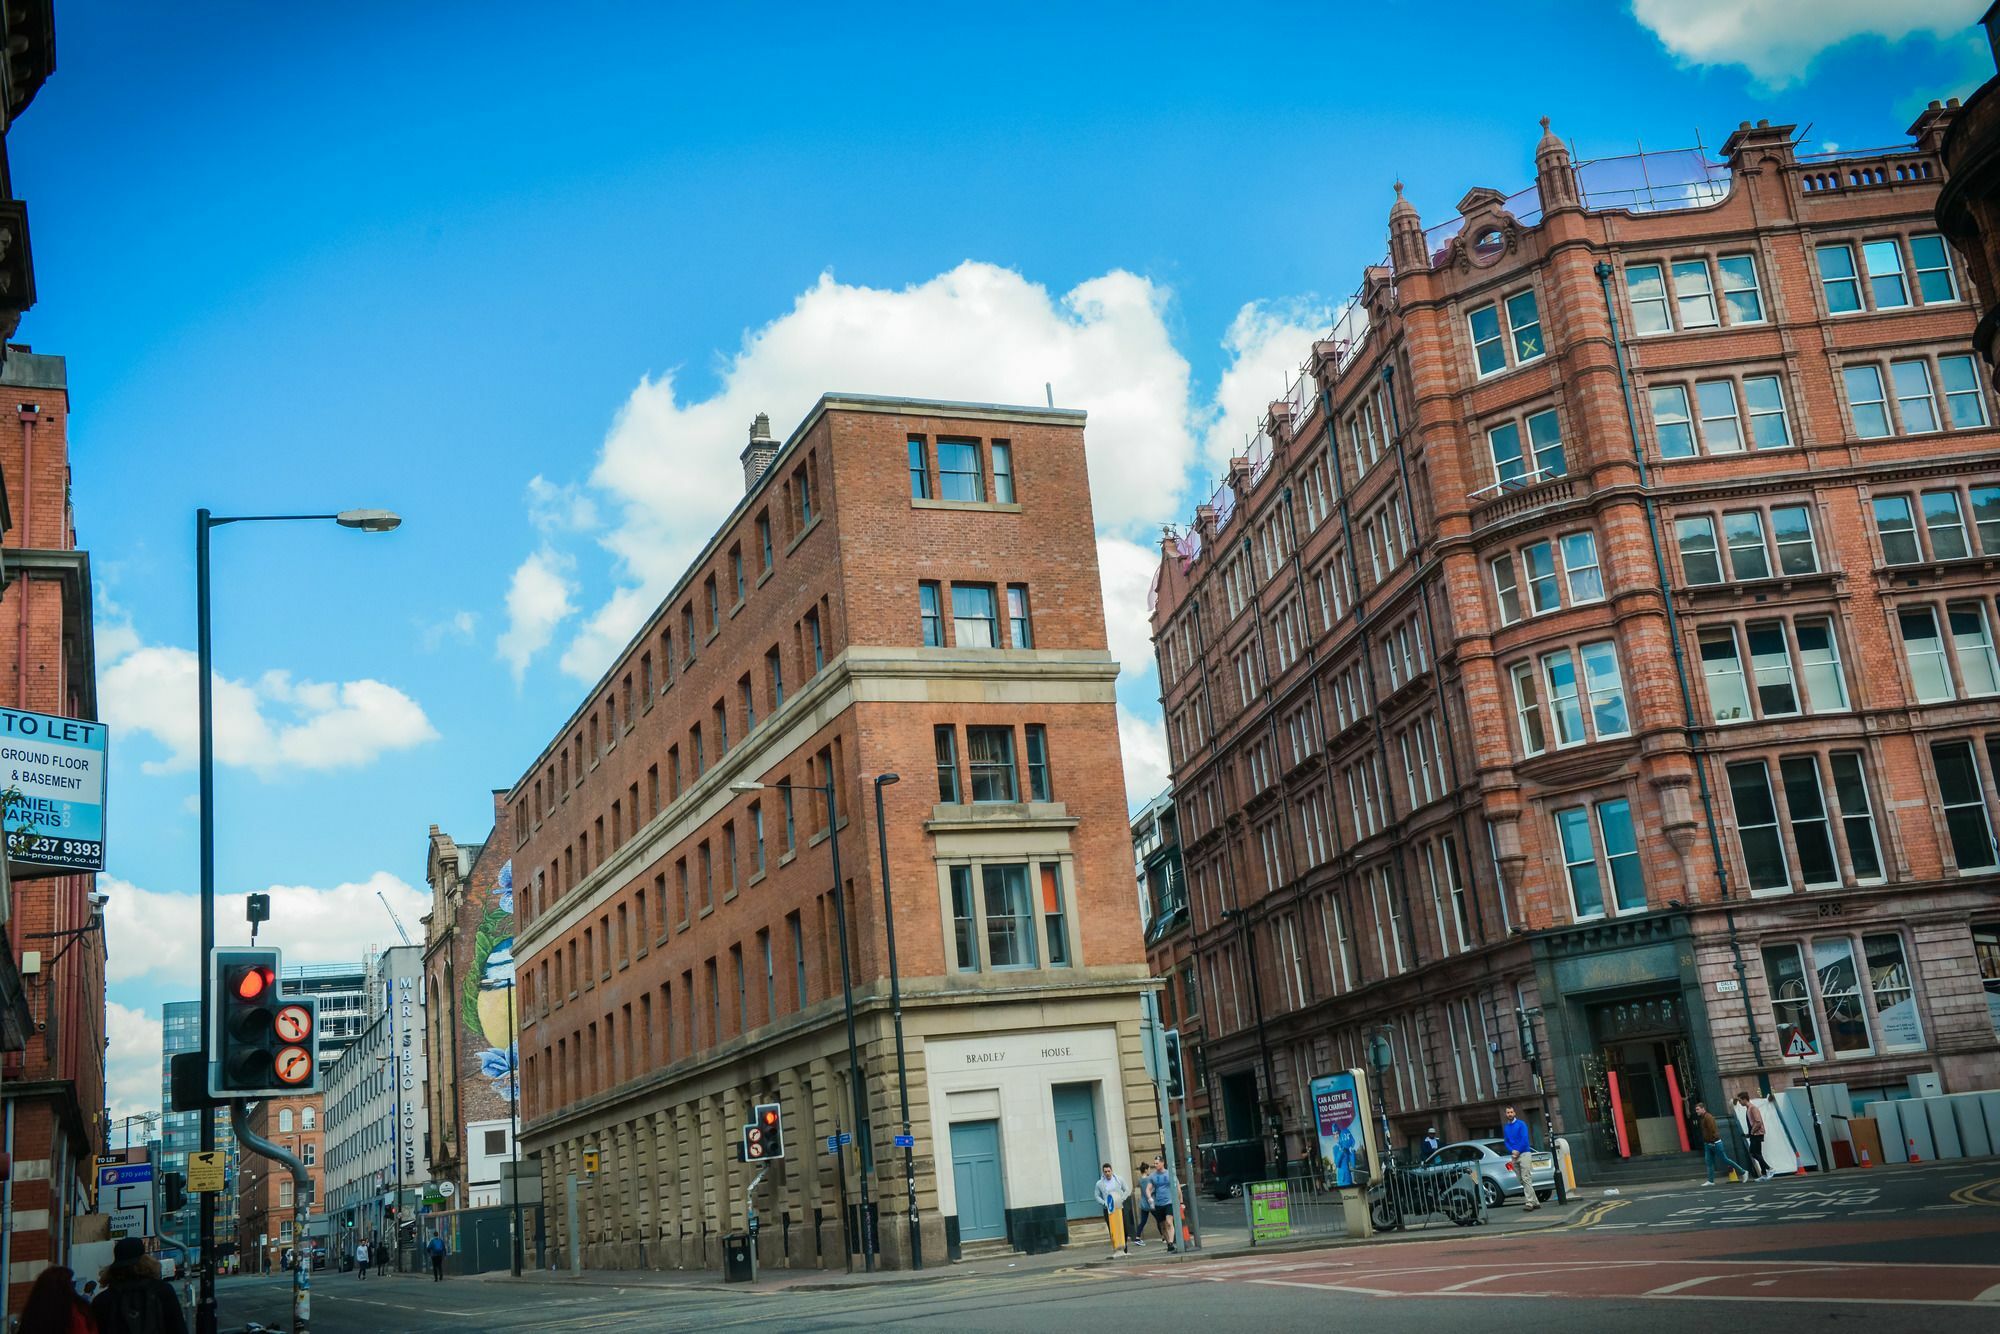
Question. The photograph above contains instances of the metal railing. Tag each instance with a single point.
(1311, 1206)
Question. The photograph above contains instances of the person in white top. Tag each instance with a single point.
(361, 1258)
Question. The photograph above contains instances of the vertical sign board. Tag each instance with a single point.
(52, 773)
(1270, 1210)
(126, 1193)
(1341, 1121)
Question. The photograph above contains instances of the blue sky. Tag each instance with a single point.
(524, 275)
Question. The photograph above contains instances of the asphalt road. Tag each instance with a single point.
(1892, 1247)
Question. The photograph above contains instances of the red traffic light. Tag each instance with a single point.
(768, 1118)
(252, 983)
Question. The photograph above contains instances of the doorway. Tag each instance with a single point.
(1645, 1075)
(975, 1174)
(1076, 1148)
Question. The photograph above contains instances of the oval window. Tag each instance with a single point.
(1489, 243)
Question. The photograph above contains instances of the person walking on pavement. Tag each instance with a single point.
(435, 1246)
(1753, 1131)
(380, 1251)
(361, 1258)
(1521, 1152)
(1160, 1199)
(1428, 1145)
(1111, 1193)
(1712, 1151)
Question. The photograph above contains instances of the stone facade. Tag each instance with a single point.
(1556, 690)
(681, 944)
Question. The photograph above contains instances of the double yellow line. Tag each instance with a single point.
(1592, 1215)
(1977, 1193)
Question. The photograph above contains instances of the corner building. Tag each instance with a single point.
(1586, 681)
(911, 588)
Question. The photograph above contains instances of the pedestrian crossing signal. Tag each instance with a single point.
(764, 1137)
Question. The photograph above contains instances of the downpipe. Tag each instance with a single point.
(301, 1203)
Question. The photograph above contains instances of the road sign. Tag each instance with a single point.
(834, 1142)
(205, 1172)
(906, 1141)
(1800, 1046)
(126, 1193)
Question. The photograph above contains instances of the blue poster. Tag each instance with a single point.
(1337, 1114)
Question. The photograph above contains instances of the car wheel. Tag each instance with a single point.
(1235, 1189)
(1545, 1193)
(1494, 1195)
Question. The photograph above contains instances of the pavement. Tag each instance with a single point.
(1892, 1245)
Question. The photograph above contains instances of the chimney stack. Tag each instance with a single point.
(757, 455)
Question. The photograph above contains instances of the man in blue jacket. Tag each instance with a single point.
(1521, 1150)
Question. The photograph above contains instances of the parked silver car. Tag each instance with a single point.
(1496, 1170)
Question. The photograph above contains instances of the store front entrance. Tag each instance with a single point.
(1640, 1080)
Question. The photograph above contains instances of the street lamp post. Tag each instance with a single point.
(367, 521)
(896, 1013)
(513, 1112)
(862, 1134)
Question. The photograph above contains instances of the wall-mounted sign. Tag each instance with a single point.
(52, 774)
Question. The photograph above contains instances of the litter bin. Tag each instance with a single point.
(737, 1266)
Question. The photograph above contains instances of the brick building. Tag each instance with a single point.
(468, 966)
(52, 1086)
(911, 588)
(1593, 655)
(265, 1203)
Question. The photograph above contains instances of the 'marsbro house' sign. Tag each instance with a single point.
(52, 776)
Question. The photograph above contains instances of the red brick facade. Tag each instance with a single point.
(1560, 655)
(53, 1089)
(679, 951)
(265, 1199)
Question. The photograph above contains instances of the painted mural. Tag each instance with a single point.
(487, 985)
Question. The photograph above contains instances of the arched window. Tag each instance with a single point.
(285, 1121)
(307, 1119)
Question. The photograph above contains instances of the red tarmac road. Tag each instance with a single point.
(1705, 1265)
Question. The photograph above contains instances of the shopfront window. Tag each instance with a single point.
(1791, 1000)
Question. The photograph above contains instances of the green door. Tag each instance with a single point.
(975, 1173)
(1076, 1149)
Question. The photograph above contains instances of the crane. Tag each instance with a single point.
(392, 916)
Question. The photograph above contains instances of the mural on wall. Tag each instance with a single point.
(489, 984)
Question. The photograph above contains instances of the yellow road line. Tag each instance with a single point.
(1976, 1193)
(1592, 1215)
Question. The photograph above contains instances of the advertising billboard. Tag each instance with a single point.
(52, 774)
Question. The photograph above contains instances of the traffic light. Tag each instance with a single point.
(173, 1193)
(1175, 1088)
(265, 1045)
(764, 1137)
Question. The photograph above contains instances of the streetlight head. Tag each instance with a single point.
(369, 521)
(746, 785)
(887, 780)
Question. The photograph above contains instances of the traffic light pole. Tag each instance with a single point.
(204, 1309)
(302, 1260)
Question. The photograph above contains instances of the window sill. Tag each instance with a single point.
(788, 858)
(733, 610)
(729, 896)
(986, 506)
(765, 577)
(707, 911)
(801, 535)
(756, 880)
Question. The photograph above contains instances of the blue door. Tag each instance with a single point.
(1076, 1149)
(975, 1173)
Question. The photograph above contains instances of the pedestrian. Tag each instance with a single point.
(1111, 1194)
(1428, 1145)
(436, 1248)
(1160, 1199)
(1521, 1151)
(136, 1300)
(1712, 1151)
(361, 1257)
(54, 1307)
(380, 1251)
(1135, 1207)
(1753, 1130)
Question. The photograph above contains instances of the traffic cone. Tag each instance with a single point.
(1913, 1152)
(1866, 1161)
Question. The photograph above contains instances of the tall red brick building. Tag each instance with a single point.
(1586, 684)
(266, 1200)
(906, 588)
(51, 1082)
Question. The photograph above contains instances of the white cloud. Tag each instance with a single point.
(669, 468)
(270, 725)
(151, 934)
(1143, 744)
(1267, 342)
(131, 1064)
(460, 625)
(537, 601)
(556, 508)
(1125, 569)
(1776, 40)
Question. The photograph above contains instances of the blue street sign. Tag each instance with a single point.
(833, 1144)
(846, 1138)
(906, 1141)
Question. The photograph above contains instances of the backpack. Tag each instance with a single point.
(436, 1246)
(135, 1309)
